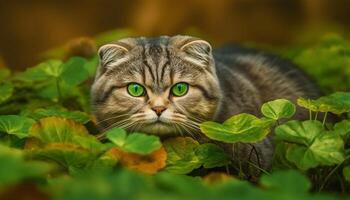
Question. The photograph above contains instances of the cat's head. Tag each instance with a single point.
(161, 86)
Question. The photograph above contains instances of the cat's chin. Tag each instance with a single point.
(159, 128)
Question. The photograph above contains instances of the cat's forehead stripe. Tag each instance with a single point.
(156, 59)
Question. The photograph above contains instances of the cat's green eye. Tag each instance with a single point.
(179, 89)
(136, 90)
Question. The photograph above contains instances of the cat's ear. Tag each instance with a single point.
(113, 54)
(197, 51)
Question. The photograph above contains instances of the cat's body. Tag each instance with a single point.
(248, 78)
(167, 85)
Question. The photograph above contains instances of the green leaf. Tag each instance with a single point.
(74, 71)
(312, 105)
(336, 103)
(52, 68)
(346, 173)
(117, 136)
(309, 145)
(69, 156)
(6, 90)
(40, 72)
(212, 156)
(182, 157)
(138, 143)
(14, 168)
(77, 116)
(277, 109)
(64, 142)
(299, 132)
(141, 143)
(343, 129)
(58, 130)
(239, 128)
(15, 125)
(287, 181)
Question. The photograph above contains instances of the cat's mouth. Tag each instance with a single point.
(159, 128)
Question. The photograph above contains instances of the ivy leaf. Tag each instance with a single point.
(15, 125)
(244, 128)
(309, 145)
(277, 109)
(138, 143)
(182, 157)
(77, 116)
(212, 156)
(6, 90)
(346, 173)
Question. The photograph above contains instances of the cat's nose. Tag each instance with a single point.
(159, 109)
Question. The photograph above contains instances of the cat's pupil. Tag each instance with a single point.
(179, 87)
(136, 88)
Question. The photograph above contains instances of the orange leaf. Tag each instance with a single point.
(148, 164)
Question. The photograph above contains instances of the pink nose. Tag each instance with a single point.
(159, 109)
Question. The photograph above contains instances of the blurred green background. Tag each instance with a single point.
(29, 28)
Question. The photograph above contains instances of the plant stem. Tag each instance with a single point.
(324, 118)
(58, 90)
(310, 114)
(331, 173)
(316, 115)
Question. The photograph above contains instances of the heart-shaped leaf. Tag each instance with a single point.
(15, 125)
(138, 143)
(244, 128)
(299, 132)
(309, 145)
(277, 109)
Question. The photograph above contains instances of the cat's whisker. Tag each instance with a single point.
(188, 115)
(110, 118)
(116, 124)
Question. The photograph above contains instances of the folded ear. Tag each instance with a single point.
(197, 51)
(112, 54)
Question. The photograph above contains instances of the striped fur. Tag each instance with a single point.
(224, 83)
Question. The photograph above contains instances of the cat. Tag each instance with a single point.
(168, 85)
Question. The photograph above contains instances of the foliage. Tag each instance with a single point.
(327, 61)
(49, 139)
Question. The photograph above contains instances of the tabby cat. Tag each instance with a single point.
(168, 85)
